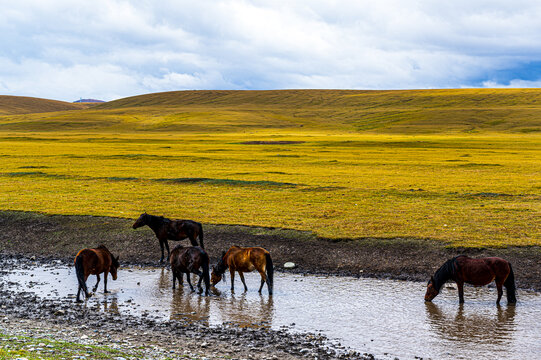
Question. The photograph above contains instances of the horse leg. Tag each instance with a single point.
(174, 278)
(193, 241)
(78, 293)
(243, 282)
(263, 280)
(105, 273)
(96, 286)
(161, 247)
(87, 295)
(232, 273)
(499, 286)
(460, 286)
(200, 274)
(189, 282)
(167, 247)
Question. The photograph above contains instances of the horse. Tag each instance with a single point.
(463, 269)
(188, 260)
(94, 262)
(244, 260)
(166, 229)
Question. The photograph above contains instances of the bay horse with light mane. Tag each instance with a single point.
(167, 229)
(188, 260)
(94, 262)
(463, 269)
(245, 260)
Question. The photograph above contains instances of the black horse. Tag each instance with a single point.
(166, 229)
(188, 260)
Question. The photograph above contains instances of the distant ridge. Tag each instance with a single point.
(88, 101)
(209, 111)
(13, 105)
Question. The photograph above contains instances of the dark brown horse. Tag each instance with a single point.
(94, 262)
(478, 272)
(166, 229)
(188, 260)
(245, 260)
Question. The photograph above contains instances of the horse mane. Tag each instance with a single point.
(445, 272)
(103, 247)
(221, 266)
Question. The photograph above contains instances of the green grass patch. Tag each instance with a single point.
(12, 347)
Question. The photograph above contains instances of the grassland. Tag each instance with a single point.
(460, 166)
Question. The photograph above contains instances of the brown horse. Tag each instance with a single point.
(478, 272)
(166, 229)
(244, 260)
(186, 260)
(94, 262)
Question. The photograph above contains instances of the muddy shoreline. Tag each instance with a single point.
(29, 238)
(25, 313)
(60, 237)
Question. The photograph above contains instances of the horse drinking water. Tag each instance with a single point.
(478, 272)
(94, 262)
(186, 260)
(245, 260)
(166, 229)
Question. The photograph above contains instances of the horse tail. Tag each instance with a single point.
(206, 276)
(510, 286)
(80, 271)
(201, 235)
(270, 272)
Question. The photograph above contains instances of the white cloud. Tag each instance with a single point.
(112, 48)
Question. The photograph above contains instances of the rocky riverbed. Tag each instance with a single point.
(26, 314)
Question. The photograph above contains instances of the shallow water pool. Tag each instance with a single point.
(387, 318)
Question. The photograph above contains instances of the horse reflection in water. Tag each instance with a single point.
(108, 304)
(493, 328)
(183, 304)
(247, 310)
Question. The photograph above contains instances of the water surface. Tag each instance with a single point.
(387, 318)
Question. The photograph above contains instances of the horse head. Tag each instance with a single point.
(141, 221)
(216, 275)
(215, 278)
(114, 266)
(431, 290)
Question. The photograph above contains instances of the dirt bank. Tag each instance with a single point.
(60, 237)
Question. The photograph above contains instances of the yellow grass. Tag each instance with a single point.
(191, 155)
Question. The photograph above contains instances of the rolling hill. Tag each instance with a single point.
(11, 105)
(399, 112)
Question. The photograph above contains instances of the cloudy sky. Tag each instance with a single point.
(108, 49)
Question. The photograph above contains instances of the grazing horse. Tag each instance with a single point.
(186, 260)
(166, 229)
(478, 272)
(245, 260)
(94, 262)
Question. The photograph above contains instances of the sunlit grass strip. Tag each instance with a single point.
(464, 190)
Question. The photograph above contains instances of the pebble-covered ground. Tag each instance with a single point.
(35, 328)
